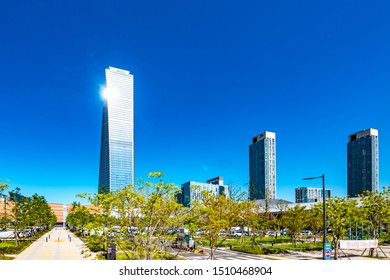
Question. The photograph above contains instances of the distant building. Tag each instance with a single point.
(6, 206)
(363, 162)
(117, 139)
(308, 194)
(191, 190)
(58, 210)
(274, 205)
(262, 166)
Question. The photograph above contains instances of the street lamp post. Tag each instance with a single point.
(324, 209)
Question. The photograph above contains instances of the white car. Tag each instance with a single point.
(271, 233)
(306, 232)
(7, 234)
(236, 233)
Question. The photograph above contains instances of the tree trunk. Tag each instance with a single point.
(148, 247)
(17, 241)
(336, 249)
(211, 250)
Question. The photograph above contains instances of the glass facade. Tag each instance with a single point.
(191, 191)
(363, 162)
(117, 139)
(307, 194)
(262, 166)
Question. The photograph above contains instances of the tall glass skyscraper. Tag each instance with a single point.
(117, 142)
(363, 162)
(262, 166)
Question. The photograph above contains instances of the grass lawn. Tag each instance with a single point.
(9, 247)
(263, 245)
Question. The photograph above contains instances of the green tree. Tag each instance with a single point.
(157, 208)
(39, 212)
(79, 217)
(375, 210)
(20, 213)
(341, 213)
(255, 219)
(4, 219)
(127, 203)
(295, 220)
(102, 221)
(316, 220)
(139, 215)
(217, 214)
(277, 219)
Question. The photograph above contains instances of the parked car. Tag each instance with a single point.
(132, 230)
(236, 233)
(26, 233)
(7, 234)
(284, 232)
(271, 233)
(182, 232)
(305, 232)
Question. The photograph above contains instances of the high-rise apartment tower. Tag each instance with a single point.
(262, 166)
(363, 162)
(117, 142)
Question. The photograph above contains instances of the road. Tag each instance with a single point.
(224, 254)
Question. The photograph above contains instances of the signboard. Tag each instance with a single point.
(358, 244)
(328, 251)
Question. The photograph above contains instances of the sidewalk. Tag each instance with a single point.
(58, 244)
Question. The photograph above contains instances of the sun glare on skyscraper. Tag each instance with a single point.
(109, 93)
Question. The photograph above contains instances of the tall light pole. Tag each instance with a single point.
(324, 209)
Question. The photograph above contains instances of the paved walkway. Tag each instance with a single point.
(58, 244)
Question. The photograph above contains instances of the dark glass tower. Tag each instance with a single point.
(362, 157)
(117, 142)
(262, 166)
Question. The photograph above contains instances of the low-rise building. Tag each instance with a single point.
(309, 194)
(192, 190)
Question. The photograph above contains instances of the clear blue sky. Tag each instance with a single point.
(209, 75)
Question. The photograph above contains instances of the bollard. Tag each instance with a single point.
(70, 239)
(46, 239)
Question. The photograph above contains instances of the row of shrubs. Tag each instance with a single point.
(281, 249)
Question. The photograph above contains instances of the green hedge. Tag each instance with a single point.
(159, 256)
(257, 250)
(278, 249)
(3, 258)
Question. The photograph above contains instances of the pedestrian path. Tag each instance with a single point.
(58, 244)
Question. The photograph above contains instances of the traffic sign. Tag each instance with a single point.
(328, 251)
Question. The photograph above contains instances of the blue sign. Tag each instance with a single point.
(328, 251)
